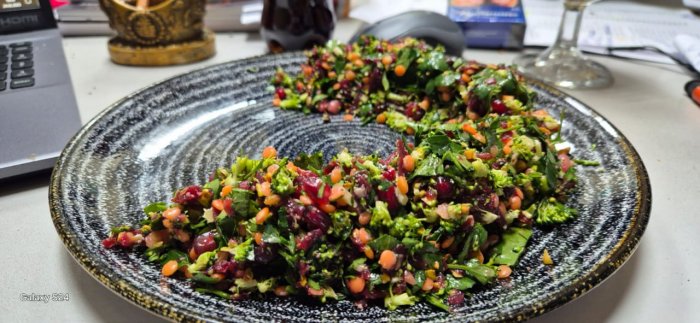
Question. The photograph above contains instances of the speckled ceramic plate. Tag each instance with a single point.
(175, 133)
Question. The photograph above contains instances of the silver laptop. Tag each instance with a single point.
(38, 111)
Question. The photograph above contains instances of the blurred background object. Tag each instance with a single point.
(563, 64)
(692, 88)
(38, 110)
(489, 24)
(432, 27)
(158, 32)
(692, 4)
(84, 17)
(297, 24)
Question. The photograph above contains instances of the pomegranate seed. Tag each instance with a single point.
(280, 93)
(413, 111)
(498, 106)
(204, 242)
(445, 188)
(109, 242)
(334, 107)
(188, 195)
(389, 196)
(389, 174)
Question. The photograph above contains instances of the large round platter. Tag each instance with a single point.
(176, 132)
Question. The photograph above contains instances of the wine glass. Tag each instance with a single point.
(563, 64)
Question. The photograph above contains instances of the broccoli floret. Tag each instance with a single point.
(342, 224)
(514, 104)
(344, 158)
(392, 302)
(243, 169)
(201, 262)
(480, 169)
(239, 252)
(550, 211)
(380, 215)
(245, 283)
(373, 169)
(282, 182)
(500, 179)
(398, 121)
(405, 226)
(265, 285)
(523, 146)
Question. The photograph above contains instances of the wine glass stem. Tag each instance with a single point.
(567, 38)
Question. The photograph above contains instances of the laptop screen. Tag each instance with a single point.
(25, 15)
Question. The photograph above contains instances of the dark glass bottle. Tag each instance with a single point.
(297, 24)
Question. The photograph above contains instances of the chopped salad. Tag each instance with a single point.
(451, 210)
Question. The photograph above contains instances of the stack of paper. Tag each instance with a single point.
(614, 24)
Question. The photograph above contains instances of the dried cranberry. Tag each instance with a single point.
(280, 93)
(188, 195)
(246, 185)
(204, 242)
(498, 106)
(224, 267)
(109, 242)
(499, 163)
(375, 293)
(316, 219)
(456, 297)
(484, 156)
(329, 167)
(295, 212)
(431, 194)
(399, 288)
(303, 268)
(389, 196)
(125, 239)
(507, 136)
(375, 80)
(308, 240)
(524, 219)
(389, 174)
(476, 106)
(445, 188)
(401, 153)
(468, 224)
(364, 273)
(228, 207)
(322, 106)
(263, 253)
(361, 184)
(413, 111)
(565, 162)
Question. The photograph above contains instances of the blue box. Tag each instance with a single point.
(489, 23)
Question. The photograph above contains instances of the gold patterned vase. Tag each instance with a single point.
(162, 32)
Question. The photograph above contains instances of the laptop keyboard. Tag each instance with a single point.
(16, 66)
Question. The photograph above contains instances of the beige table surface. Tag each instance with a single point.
(647, 104)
